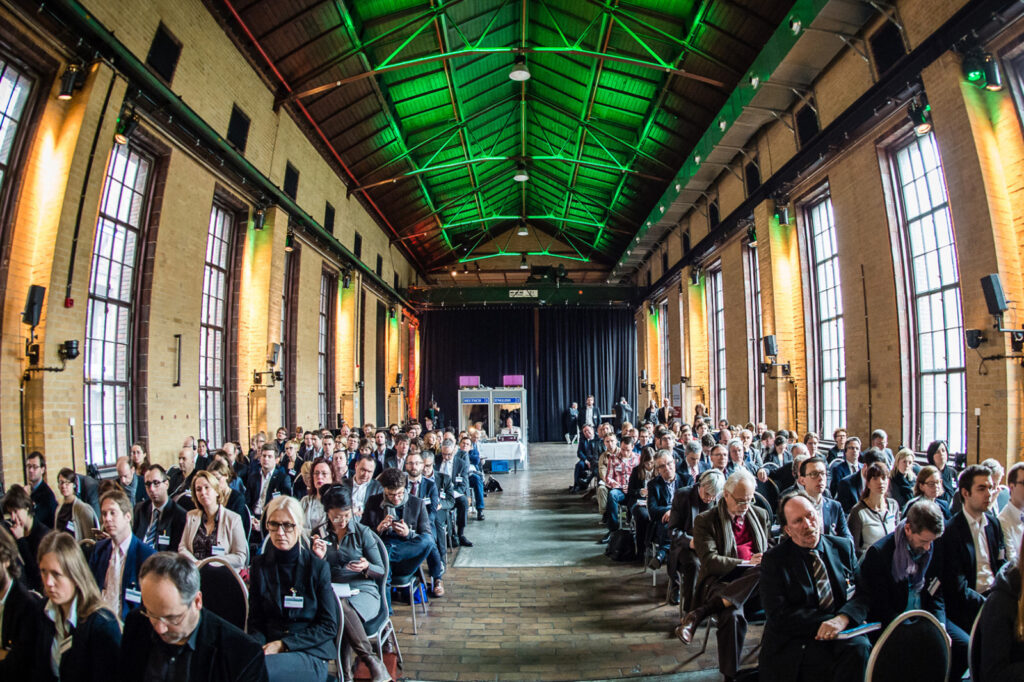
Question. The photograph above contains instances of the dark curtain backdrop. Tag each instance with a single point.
(576, 351)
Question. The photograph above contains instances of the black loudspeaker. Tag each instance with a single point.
(993, 294)
(398, 379)
(33, 305)
(771, 346)
(643, 375)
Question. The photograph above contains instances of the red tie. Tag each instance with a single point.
(415, 488)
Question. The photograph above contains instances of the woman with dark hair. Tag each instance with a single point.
(876, 514)
(73, 516)
(139, 458)
(1001, 627)
(636, 492)
(18, 609)
(929, 486)
(322, 475)
(79, 638)
(938, 457)
(28, 532)
(353, 554)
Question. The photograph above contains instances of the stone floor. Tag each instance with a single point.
(515, 612)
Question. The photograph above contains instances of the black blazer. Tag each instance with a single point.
(658, 500)
(886, 598)
(589, 450)
(429, 494)
(790, 601)
(413, 512)
(20, 631)
(45, 502)
(99, 561)
(171, 524)
(686, 506)
(848, 491)
(223, 652)
(834, 519)
(595, 417)
(459, 476)
(94, 647)
(310, 629)
(1002, 654)
(959, 572)
(446, 500)
(89, 492)
(279, 483)
(28, 548)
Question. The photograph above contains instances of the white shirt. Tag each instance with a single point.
(590, 416)
(1011, 519)
(262, 499)
(359, 494)
(982, 561)
(62, 633)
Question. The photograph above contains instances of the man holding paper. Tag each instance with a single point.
(808, 596)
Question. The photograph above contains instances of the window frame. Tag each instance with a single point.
(327, 348)
(664, 361)
(755, 328)
(717, 360)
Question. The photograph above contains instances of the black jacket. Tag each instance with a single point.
(658, 500)
(1002, 654)
(89, 492)
(595, 416)
(790, 601)
(279, 484)
(429, 494)
(886, 598)
(959, 572)
(45, 502)
(446, 500)
(170, 526)
(20, 631)
(686, 506)
(413, 512)
(28, 548)
(94, 647)
(222, 653)
(589, 450)
(311, 628)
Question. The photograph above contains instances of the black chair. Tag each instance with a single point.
(770, 492)
(763, 502)
(224, 592)
(336, 667)
(974, 650)
(914, 648)
(379, 628)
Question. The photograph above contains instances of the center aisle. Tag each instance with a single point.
(536, 599)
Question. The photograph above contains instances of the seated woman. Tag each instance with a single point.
(339, 468)
(938, 457)
(302, 482)
(1001, 627)
(312, 509)
(352, 552)
(902, 477)
(73, 515)
(510, 429)
(28, 532)
(78, 637)
(235, 501)
(1000, 492)
(19, 607)
(293, 612)
(211, 529)
(929, 485)
(875, 515)
(636, 493)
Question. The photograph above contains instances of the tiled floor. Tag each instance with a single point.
(592, 620)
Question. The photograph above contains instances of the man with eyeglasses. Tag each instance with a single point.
(158, 521)
(660, 492)
(814, 480)
(730, 539)
(42, 495)
(172, 637)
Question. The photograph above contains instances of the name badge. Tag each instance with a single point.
(933, 586)
(217, 550)
(163, 540)
(132, 596)
(1002, 554)
(427, 501)
(71, 527)
(65, 645)
(275, 495)
(293, 602)
(850, 590)
(458, 479)
(443, 495)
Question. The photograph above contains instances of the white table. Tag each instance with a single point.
(510, 451)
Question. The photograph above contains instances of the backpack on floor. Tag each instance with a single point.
(621, 546)
(492, 485)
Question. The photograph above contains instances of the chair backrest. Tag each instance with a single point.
(378, 622)
(914, 648)
(224, 592)
(87, 545)
(769, 493)
(974, 649)
(762, 502)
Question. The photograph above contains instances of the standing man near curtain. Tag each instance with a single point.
(623, 412)
(570, 423)
(590, 414)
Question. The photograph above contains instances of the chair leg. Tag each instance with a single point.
(707, 636)
(412, 605)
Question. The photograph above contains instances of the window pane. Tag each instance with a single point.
(213, 322)
(716, 339)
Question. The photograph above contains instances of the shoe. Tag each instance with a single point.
(438, 590)
(685, 629)
(464, 542)
(654, 563)
(480, 515)
(455, 542)
(605, 539)
(674, 597)
(378, 671)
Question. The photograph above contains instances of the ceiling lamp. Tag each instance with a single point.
(125, 127)
(519, 71)
(523, 265)
(522, 231)
(70, 81)
(919, 117)
(520, 175)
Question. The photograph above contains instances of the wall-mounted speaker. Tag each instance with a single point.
(771, 346)
(994, 298)
(33, 305)
(643, 375)
(398, 379)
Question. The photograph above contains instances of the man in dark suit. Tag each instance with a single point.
(381, 452)
(692, 464)
(623, 412)
(738, 458)
(972, 549)
(115, 560)
(39, 490)
(589, 414)
(920, 569)
(587, 452)
(808, 596)
(682, 557)
(403, 523)
(813, 480)
(665, 412)
(445, 501)
(457, 471)
(420, 488)
(266, 483)
(181, 476)
(362, 484)
(159, 521)
(89, 492)
(177, 638)
(570, 423)
(730, 540)
(660, 492)
(841, 467)
(395, 457)
(849, 489)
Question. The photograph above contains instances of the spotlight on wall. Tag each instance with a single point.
(519, 71)
(346, 279)
(70, 81)
(391, 312)
(521, 175)
(993, 78)
(259, 218)
(974, 338)
(795, 25)
(920, 117)
(974, 67)
(68, 350)
(126, 125)
(751, 236)
(289, 243)
(523, 265)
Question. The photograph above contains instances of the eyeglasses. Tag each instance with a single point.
(742, 501)
(816, 474)
(173, 621)
(154, 484)
(274, 526)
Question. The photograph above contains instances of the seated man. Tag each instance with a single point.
(403, 523)
(730, 539)
(423, 489)
(362, 483)
(909, 553)
(849, 489)
(682, 557)
(841, 467)
(808, 597)
(692, 465)
(266, 483)
(972, 550)
(660, 492)
(738, 458)
(115, 560)
(445, 501)
(159, 521)
(814, 480)
(470, 454)
(455, 470)
(175, 638)
(616, 480)
(587, 452)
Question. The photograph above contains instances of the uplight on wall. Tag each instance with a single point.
(70, 81)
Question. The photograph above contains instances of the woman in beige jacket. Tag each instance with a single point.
(211, 529)
(73, 516)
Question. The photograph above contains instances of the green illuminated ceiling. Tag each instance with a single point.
(414, 98)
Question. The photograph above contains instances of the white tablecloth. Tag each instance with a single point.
(509, 451)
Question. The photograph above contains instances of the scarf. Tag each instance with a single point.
(905, 566)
